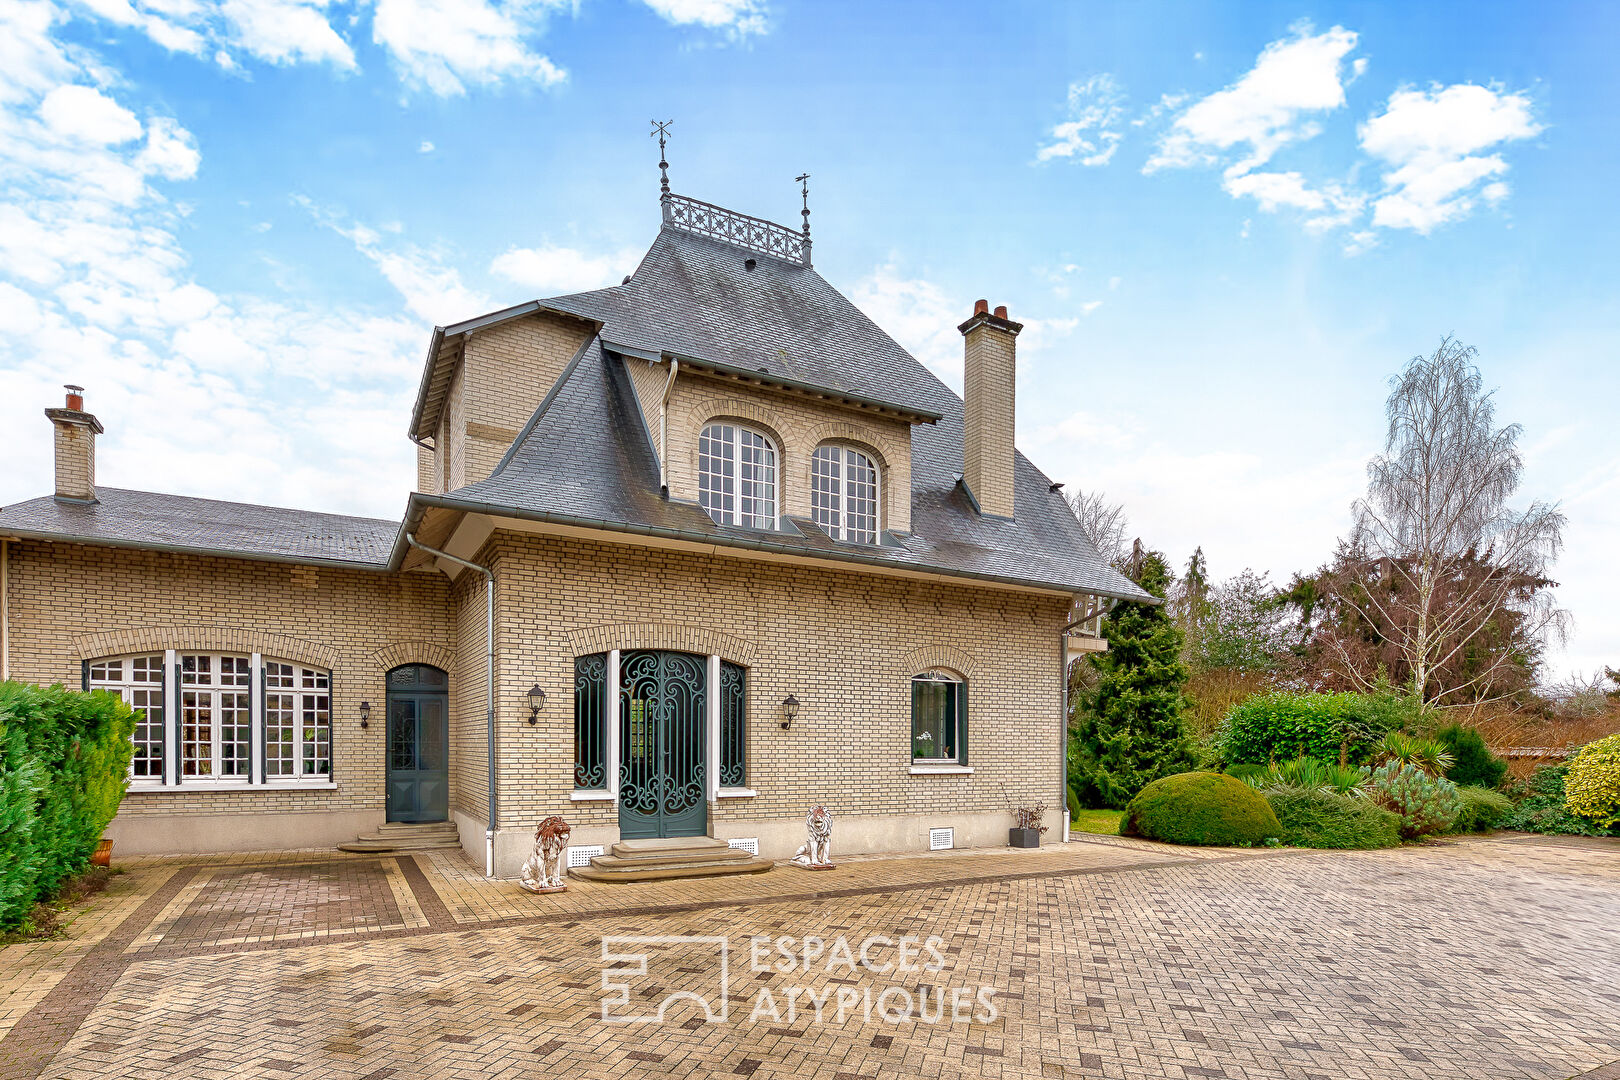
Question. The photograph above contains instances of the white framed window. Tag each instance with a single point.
(938, 719)
(216, 718)
(844, 493)
(737, 476)
(297, 722)
(139, 681)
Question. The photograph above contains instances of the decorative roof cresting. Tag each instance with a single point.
(728, 226)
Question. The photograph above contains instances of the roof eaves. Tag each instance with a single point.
(910, 412)
(192, 549)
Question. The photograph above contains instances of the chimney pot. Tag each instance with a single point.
(981, 306)
(1001, 311)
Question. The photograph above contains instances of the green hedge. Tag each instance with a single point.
(1482, 809)
(1314, 818)
(1200, 808)
(1282, 725)
(64, 763)
(1473, 763)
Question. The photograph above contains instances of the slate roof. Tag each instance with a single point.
(144, 519)
(586, 457)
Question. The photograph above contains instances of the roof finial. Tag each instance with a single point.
(661, 129)
(804, 179)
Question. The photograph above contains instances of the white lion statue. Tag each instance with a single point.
(816, 853)
(543, 873)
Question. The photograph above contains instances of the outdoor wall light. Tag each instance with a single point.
(365, 714)
(537, 701)
(790, 709)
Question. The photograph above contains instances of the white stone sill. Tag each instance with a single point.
(737, 793)
(942, 770)
(200, 788)
(591, 796)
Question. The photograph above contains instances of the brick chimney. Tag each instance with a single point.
(76, 432)
(990, 352)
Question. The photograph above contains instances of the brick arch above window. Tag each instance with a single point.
(225, 639)
(747, 414)
(412, 652)
(676, 637)
(842, 431)
(927, 657)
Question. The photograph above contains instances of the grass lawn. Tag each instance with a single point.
(1105, 822)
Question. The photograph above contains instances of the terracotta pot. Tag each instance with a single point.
(103, 855)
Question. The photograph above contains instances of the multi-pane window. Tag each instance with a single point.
(216, 718)
(139, 681)
(737, 476)
(297, 722)
(844, 493)
(938, 718)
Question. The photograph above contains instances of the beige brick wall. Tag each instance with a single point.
(75, 446)
(987, 443)
(469, 754)
(70, 602)
(845, 644)
(797, 427)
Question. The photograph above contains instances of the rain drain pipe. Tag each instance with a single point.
(489, 686)
(663, 426)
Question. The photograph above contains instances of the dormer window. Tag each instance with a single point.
(844, 493)
(737, 476)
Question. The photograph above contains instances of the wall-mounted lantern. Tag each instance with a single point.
(365, 714)
(537, 701)
(790, 709)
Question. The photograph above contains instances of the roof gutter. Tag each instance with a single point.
(489, 686)
(420, 501)
(663, 426)
(189, 549)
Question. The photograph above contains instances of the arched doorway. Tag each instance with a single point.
(418, 748)
(662, 789)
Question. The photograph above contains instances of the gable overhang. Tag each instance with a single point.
(760, 548)
(444, 354)
(798, 388)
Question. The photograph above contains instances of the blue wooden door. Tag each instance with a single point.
(417, 734)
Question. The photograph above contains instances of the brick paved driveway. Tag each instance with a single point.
(1478, 958)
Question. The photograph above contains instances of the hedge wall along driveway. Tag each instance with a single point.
(64, 764)
(1280, 726)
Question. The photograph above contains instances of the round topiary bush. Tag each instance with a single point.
(1592, 786)
(1200, 808)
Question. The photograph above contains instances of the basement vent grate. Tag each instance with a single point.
(749, 844)
(941, 839)
(581, 856)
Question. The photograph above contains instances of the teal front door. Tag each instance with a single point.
(662, 784)
(418, 775)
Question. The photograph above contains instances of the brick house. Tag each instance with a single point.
(686, 557)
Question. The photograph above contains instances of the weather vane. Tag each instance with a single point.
(804, 179)
(661, 129)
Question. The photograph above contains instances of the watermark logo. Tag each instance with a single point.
(813, 979)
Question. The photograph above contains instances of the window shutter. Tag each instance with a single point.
(961, 723)
(84, 675)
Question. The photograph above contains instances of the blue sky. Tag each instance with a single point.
(1226, 226)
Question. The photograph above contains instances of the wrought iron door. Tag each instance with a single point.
(661, 725)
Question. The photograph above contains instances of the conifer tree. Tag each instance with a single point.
(1128, 729)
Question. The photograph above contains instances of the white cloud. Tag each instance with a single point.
(1092, 133)
(918, 315)
(738, 18)
(552, 270)
(1264, 110)
(85, 113)
(286, 31)
(1434, 139)
(425, 147)
(444, 44)
(1331, 204)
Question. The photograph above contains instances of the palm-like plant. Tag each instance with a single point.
(1309, 774)
(1427, 754)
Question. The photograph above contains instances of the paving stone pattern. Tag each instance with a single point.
(1478, 958)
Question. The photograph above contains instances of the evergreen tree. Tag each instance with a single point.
(1128, 730)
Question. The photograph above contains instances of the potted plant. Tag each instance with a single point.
(1027, 833)
(102, 856)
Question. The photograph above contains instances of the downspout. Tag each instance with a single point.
(663, 427)
(489, 687)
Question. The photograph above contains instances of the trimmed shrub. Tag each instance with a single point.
(1474, 765)
(1592, 785)
(1539, 806)
(1281, 726)
(1426, 804)
(1315, 818)
(1074, 804)
(1482, 808)
(1200, 808)
(64, 764)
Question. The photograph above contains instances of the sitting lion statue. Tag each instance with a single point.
(816, 852)
(544, 871)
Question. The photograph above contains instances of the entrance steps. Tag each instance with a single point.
(407, 836)
(675, 857)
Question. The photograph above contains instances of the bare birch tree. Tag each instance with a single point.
(1437, 553)
(1104, 524)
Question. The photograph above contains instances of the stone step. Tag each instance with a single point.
(616, 870)
(416, 827)
(376, 845)
(675, 847)
(407, 836)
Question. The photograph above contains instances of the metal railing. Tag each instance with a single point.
(718, 223)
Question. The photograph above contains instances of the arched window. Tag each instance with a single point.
(938, 719)
(737, 476)
(844, 493)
